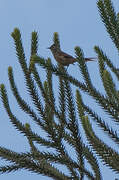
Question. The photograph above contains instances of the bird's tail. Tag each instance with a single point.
(90, 59)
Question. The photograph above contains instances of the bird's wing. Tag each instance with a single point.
(65, 55)
(64, 58)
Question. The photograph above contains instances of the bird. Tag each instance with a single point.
(64, 58)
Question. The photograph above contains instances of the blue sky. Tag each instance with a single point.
(78, 24)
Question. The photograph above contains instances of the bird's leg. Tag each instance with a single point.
(67, 67)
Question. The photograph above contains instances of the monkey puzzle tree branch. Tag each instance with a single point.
(109, 19)
(34, 43)
(104, 102)
(107, 154)
(22, 104)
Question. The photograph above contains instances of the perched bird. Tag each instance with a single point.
(64, 58)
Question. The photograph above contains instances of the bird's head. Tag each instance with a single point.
(54, 48)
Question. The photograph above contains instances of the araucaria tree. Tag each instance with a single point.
(63, 119)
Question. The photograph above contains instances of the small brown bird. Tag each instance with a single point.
(64, 58)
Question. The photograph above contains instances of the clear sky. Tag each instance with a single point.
(78, 24)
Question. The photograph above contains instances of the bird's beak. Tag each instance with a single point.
(48, 48)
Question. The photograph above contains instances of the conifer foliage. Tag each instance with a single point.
(62, 120)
